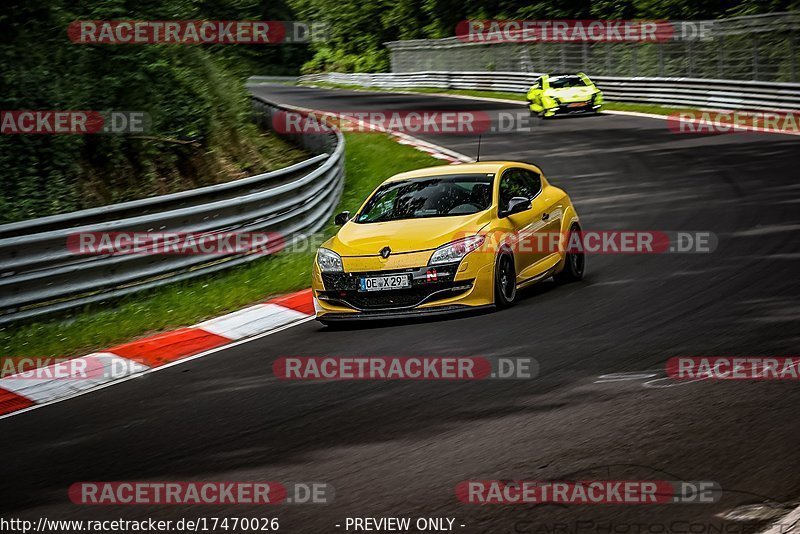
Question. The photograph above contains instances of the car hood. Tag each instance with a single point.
(572, 94)
(407, 235)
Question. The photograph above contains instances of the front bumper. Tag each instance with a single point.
(573, 108)
(427, 285)
(443, 289)
(401, 314)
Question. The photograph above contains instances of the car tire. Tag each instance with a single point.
(505, 281)
(574, 263)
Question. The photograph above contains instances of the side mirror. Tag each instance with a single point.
(342, 218)
(517, 205)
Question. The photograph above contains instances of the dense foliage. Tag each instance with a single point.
(201, 132)
(359, 27)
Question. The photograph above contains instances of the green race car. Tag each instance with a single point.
(564, 95)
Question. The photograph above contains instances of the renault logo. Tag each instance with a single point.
(385, 251)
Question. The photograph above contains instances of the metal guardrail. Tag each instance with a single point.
(678, 92)
(39, 275)
(753, 47)
(271, 79)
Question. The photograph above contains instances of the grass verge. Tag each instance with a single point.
(611, 106)
(370, 159)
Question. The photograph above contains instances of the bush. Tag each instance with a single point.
(200, 133)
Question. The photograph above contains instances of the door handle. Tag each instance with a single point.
(545, 216)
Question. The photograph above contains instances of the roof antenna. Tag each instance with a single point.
(479, 149)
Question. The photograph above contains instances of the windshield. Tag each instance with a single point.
(437, 196)
(563, 82)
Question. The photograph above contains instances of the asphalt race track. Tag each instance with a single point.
(399, 448)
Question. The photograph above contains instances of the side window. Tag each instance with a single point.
(514, 184)
(533, 181)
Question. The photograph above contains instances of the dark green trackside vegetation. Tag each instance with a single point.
(358, 28)
(201, 130)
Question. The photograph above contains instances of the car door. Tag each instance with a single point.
(527, 226)
(549, 212)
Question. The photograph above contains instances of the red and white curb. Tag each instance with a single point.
(18, 393)
(436, 151)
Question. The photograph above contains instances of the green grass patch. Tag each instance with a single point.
(370, 159)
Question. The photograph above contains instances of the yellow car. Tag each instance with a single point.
(445, 239)
(566, 94)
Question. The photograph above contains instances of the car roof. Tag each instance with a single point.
(483, 167)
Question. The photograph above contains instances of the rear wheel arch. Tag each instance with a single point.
(569, 218)
(504, 298)
(573, 264)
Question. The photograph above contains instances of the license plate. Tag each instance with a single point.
(384, 283)
(576, 104)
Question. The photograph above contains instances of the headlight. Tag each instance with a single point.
(329, 261)
(455, 251)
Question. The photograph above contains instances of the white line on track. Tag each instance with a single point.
(162, 367)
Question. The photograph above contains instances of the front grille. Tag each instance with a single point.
(342, 288)
(570, 105)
